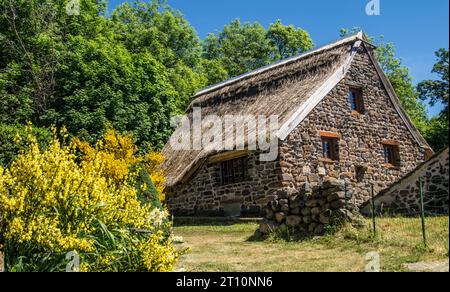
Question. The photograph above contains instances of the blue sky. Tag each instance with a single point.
(417, 27)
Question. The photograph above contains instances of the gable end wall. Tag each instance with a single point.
(362, 136)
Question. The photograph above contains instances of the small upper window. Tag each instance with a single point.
(330, 148)
(356, 100)
(391, 154)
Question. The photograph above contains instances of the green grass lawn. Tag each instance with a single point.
(233, 248)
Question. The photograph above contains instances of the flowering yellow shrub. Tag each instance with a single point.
(119, 154)
(52, 204)
(153, 162)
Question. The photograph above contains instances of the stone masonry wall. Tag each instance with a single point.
(360, 146)
(310, 209)
(403, 197)
(204, 195)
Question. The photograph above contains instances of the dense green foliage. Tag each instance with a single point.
(401, 80)
(436, 91)
(13, 137)
(241, 48)
(131, 71)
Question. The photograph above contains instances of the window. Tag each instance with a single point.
(234, 171)
(391, 154)
(330, 148)
(356, 100)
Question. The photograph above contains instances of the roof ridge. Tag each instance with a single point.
(356, 36)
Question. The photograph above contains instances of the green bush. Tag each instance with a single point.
(10, 145)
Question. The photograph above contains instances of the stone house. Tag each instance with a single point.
(339, 117)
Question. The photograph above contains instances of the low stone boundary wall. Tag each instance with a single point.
(403, 197)
(310, 210)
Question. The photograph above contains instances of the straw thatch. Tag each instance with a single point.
(278, 90)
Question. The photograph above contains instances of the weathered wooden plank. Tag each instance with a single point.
(330, 134)
(228, 156)
(390, 142)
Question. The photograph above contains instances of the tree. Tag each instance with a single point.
(436, 91)
(288, 40)
(132, 71)
(400, 78)
(32, 37)
(241, 48)
(437, 133)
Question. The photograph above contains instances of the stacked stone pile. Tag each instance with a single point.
(310, 209)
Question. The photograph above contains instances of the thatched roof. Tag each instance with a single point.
(289, 89)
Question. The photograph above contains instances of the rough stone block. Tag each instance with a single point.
(311, 203)
(293, 221)
(313, 178)
(315, 211)
(307, 219)
(280, 217)
(267, 226)
(337, 204)
(336, 196)
(306, 211)
(324, 219)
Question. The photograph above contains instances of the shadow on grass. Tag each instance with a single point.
(297, 235)
(212, 221)
(293, 236)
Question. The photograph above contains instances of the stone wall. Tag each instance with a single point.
(310, 209)
(204, 195)
(403, 198)
(361, 156)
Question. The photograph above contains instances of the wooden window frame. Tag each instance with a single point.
(356, 105)
(331, 154)
(391, 158)
(234, 171)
